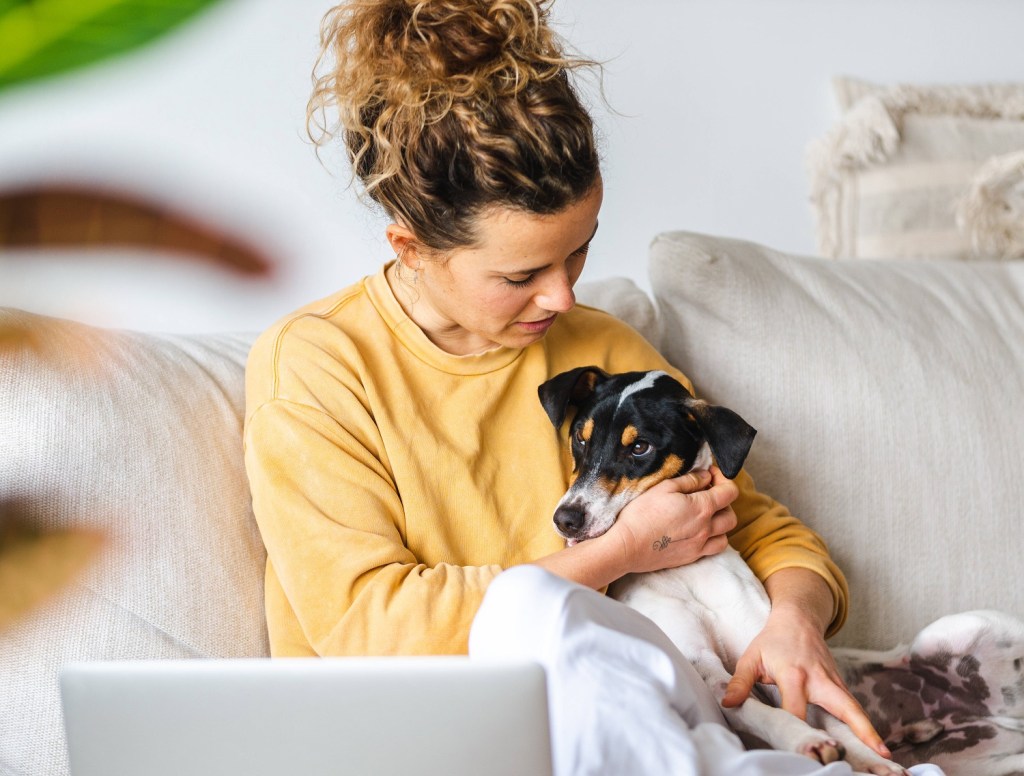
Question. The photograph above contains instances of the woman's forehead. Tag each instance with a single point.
(511, 230)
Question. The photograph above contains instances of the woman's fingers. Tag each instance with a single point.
(678, 521)
(694, 481)
(838, 702)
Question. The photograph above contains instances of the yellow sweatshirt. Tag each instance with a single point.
(392, 481)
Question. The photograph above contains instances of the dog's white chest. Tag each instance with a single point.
(715, 604)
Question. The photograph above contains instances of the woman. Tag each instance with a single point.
(398, 455)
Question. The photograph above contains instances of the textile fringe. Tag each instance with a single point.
(870, 129)
(991, 214)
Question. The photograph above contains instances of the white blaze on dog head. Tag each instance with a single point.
(645, 382)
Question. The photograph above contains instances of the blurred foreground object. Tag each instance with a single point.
(35, 565)
(75, 216)
(40, 38)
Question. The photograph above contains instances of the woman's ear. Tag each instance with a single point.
(403, 243)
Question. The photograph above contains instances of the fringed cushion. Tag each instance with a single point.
(891, 178)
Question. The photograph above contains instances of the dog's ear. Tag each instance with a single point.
(569, 388)
(729, 436)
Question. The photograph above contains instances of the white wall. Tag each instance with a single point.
(714, 102)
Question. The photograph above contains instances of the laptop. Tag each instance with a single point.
(429, 716)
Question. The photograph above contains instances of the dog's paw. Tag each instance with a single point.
(824, 750)
(885, 769)
(869, 762)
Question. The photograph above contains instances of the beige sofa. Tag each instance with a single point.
(889, 398)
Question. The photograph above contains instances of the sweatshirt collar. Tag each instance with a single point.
(414, 340)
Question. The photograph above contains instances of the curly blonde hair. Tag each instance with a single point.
(449, 107)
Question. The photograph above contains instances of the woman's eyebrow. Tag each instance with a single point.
(531, 270)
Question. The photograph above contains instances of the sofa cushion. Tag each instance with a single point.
(898, 175)
(889, 401)
(622, 298)
(135, 438)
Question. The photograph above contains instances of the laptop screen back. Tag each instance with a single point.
(338, 716)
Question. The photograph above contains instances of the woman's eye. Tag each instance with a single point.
(641, 448)
(519, 283)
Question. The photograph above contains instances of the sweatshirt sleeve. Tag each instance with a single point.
(769, 538)
(332, 522)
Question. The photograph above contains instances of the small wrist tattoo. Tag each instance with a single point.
(662, 543)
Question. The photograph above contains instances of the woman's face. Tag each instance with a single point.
(508, 288)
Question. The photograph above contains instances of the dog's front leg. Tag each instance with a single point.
(775, 727)
(690, 627)
(861, 757)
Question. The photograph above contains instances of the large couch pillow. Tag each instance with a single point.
(889, 402)
(135, 438)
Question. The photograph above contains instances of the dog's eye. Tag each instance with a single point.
(577, 437)
(640, 448)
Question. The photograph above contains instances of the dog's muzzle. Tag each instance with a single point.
(586, 512)
(569, 520)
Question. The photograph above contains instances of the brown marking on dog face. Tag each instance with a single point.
(585, 432)
(671, 467)
(588, 430)
(629, 435)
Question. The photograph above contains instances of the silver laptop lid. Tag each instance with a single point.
(429, 716)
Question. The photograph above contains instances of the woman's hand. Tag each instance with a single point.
(790, 652)
(676, 522)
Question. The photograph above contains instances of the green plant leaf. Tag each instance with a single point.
(44, 37)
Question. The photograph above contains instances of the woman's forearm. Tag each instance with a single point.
(595, 563)
(802, 593)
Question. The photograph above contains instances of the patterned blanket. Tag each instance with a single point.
(953, 697)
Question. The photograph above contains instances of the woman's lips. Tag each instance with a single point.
(538, 326)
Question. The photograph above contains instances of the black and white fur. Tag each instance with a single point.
(629, 432)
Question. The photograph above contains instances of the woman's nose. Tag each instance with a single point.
(557, 295)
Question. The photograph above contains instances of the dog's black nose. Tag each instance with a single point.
(569, 519)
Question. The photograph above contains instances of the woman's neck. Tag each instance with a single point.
(443, 333)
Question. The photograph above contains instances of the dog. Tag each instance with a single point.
(629, 432)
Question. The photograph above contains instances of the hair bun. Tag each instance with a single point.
(448, 105)
(462, 38)
(433, 52)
